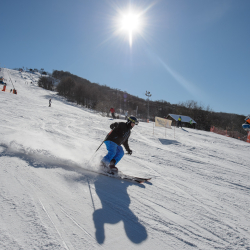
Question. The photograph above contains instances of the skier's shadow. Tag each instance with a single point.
(115, 208)
(168, 142)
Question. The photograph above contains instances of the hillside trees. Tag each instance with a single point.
(102, 98)
(79, 94)
(104, 106)
(65, 87)
(46, 83)
(206, 118)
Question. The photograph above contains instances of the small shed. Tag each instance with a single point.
(184, 119)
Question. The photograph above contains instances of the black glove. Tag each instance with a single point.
(114, 125)
(130, 152)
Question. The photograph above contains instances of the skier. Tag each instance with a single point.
(191, 123)
(49, 102)
(119, 135)
(179, 122)
(247, 120)
(112, 110)
(246, 125)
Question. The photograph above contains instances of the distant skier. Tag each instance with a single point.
(247, 120)
(179, 122)
(191, 123)
(246, 125)
(117, 137)
(112, 110)
(49, 102)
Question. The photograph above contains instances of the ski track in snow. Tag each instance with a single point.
(198, 197)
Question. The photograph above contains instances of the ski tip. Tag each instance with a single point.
(145, 179)
(140, 182)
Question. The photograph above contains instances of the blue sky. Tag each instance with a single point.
(184, 50)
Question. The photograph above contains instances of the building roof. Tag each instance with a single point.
(183, 118)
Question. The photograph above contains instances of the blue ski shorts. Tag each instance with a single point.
(114, 152)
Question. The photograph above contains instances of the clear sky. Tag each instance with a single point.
(179, 50)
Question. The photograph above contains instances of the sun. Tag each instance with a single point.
(130, 23)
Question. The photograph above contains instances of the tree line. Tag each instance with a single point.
(101, 98)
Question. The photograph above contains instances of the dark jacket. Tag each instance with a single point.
(120, 134)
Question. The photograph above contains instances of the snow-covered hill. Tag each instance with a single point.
(198, 197)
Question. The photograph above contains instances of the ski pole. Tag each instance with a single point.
(100, 145)
(104, 139)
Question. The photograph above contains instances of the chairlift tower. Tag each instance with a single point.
(148, 95)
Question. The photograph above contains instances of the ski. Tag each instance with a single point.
(120, 175)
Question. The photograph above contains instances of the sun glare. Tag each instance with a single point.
(130, 23)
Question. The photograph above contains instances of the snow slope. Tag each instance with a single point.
(198, 197)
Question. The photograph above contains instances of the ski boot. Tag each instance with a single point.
(112, 167)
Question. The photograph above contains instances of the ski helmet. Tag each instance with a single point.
(133, 119)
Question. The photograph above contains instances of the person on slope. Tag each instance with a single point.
(117, 137)
(112, 111)
(247, 120)
(179, 122)
(246, 125)
(191, 123)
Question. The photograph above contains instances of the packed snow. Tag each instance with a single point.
(198, 197)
